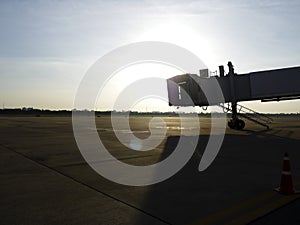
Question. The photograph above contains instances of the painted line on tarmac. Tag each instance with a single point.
(277, 201)
(234, 209)
(261, 211)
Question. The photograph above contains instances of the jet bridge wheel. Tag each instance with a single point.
(236, 124)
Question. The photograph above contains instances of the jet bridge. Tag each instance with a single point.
(269, 85)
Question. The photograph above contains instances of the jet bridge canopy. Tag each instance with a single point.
(263, 85)
(268, 85)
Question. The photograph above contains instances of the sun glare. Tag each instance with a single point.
(183, 35)
(171, 31)
(129, 75)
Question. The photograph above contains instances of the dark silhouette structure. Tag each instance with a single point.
(269, 85)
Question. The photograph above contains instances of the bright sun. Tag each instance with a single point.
(184, 35)
(173, 32)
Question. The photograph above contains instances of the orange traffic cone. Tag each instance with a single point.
(286, 184)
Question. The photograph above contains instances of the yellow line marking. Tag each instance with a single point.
(240, 206)
(221, 214)
(250, 216)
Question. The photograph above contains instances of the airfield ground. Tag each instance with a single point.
(45, 180)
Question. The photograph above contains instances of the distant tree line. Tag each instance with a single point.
(46, 112)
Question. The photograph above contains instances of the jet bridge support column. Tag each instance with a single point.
(235, 122)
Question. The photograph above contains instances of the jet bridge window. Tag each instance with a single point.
(179, 89)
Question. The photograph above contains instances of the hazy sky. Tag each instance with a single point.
(47, 46)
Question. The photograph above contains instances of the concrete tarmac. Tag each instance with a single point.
(45, 180)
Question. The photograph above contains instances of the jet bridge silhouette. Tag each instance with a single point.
(269, 85)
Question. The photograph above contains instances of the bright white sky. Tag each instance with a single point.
(47, 46)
